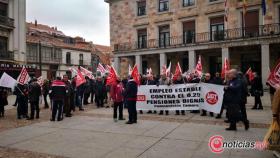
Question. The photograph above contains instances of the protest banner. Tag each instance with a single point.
(181, 97)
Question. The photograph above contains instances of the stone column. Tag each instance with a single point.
(163, 60)
(225, 54)
(265, 55)
(116, 64)
(192, 59)
(138, 61)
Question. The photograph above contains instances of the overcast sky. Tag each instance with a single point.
(85, 18)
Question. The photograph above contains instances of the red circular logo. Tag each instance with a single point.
(211, 98)
(216, 144)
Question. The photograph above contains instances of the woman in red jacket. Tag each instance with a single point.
(116, 93)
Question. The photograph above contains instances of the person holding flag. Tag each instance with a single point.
(177, 79)
(116, 93)
(130, 95)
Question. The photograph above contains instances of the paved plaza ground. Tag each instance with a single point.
(93, 133)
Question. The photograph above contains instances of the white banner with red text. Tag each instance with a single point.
(181, 97)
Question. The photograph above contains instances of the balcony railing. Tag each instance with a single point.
(205, 37)
(6, 21)
(7, 55)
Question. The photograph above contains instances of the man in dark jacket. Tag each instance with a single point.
(67, 99)
(100, 90)
(207, 80)
(244, 94)
(232, 99)
(57, 94)
(179, 80)
(257, 91)
(46, 88)
(150, 81)
(130, 95)
(34, 96)
(87, 90)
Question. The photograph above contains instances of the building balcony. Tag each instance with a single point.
(205, 37)
(6, 22)
(7, 55)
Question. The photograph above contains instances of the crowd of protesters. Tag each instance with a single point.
(64, 97)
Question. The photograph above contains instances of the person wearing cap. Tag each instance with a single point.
(116, 94)
(34, 97)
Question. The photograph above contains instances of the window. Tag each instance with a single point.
(81, 61)
(31, 52)
(3, 47)
(46, 53)
(3, 9)
(217, 28)
(141, 5)
(68, 58)
(251, 23)
(142, 38)
(164, 36)
(163, 5)
(187, 3)
(189, 32)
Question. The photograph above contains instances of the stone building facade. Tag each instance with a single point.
(151, 33)
(12, 31)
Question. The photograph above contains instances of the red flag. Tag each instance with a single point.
(226, 67)
(135, 74)
(274, 77)
(198, 68)
(250, 74)
(178, 72)
(23, 77)
(79, 78)
(112, 77)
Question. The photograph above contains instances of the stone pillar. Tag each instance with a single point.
(138, 61)
(116, 64)
(265, 62)
(163, 60)
(225, 54)
(192, 59)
